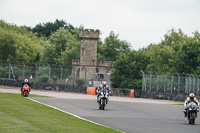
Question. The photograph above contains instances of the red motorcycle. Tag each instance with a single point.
(25, 90)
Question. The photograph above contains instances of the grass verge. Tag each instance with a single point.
(21, 115)
(177, 104)
(33, 95)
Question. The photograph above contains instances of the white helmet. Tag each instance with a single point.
(104, 83)
(100, 86)
(26, 80)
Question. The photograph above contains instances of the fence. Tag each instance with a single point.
(170, 84)
(154, 85)
(40, 77)
(35, 73)
(46, 78)
(45, 86)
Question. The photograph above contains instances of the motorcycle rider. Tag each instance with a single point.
(189, 99)
(26, 82)
(101, 87)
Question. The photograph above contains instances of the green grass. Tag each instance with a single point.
(21, 115)
(33, 95)
(178, 104)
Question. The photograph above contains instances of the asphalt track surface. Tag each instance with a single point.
(129, 117)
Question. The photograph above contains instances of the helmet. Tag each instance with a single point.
(104, 83)
(191, 96)
(26, 80)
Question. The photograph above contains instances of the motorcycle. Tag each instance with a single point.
(103, 98)
(192, 110)
(25, 90)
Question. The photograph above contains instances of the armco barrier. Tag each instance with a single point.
(91, 90)
(132, 93)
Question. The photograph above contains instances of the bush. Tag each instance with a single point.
(80, 81)
(43, 78)
(55, 78)
(3, 72)
(17, 72)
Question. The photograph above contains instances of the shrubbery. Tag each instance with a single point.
(80, 81)
(4, 72)
(43, 78)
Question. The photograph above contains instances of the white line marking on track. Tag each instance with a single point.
(72, 114)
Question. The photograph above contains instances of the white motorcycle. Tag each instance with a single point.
(103, 98)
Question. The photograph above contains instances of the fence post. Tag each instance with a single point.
(149, 81)
(143, 81)
(36, 69)
(12, 72)
(9, 70)
(172, 80)
(61, 71)
(178, 82)
(193, 83)
(164, 81)
(189, 86)
(85, 76)
(49, 71)
(198, 85)
(186, 85)
(23, 69)
(157, 81)
(73, 74)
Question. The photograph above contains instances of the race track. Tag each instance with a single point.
(129, 117)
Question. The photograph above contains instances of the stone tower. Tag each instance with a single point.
(88, 55)
(87, 67)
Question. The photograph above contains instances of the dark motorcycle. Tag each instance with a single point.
(103, 98)
(192, 110)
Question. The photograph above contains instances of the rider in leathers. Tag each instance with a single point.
(101, 87)
(26, 82)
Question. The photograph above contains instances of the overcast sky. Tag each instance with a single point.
(139, 22)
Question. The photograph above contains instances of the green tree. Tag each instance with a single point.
(174, 39)
(159, 57)
(46, 29)
(111, 48)
(18, 45)
(126, 70)
(162, 53)
(61, 48)
(187, 59)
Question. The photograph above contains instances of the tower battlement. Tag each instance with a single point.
(89, 34)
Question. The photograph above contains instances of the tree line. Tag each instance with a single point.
(57, 43)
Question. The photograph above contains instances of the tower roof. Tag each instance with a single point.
(89, 34)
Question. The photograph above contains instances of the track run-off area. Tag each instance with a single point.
(130, 115)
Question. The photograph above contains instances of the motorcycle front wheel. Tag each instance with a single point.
(193, 118)
(103, 104)
(26, 94)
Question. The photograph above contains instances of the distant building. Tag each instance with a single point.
(87, 66)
